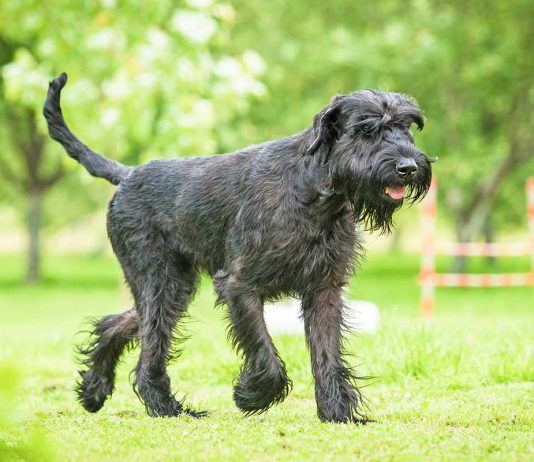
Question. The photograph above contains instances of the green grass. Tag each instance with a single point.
(460, 388)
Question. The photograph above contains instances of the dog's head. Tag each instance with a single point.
(365, 141)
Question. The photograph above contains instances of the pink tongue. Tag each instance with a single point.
(396, 192)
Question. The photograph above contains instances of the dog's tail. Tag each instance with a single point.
(95, 164)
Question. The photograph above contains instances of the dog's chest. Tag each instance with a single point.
(293, 256)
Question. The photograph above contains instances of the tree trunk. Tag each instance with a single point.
(34, 222)
(459, 263)
(489, 238)
(472, 218)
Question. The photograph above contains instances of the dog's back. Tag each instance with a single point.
(194, 199)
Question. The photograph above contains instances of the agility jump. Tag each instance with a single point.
(429, 279)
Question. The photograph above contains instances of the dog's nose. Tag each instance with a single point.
(406, 167)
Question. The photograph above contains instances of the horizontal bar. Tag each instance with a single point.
(477, 280)
(482, 249)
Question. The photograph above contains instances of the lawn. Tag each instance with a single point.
(459, 388)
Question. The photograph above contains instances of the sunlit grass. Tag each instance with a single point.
(460, 387)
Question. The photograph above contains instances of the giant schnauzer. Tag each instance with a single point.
(275, 219)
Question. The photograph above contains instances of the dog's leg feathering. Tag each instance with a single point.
(162, 295)
(338, 399)
(110, 336)
(263, 380)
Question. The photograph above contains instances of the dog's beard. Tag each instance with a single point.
(375, 214)
(373, 205)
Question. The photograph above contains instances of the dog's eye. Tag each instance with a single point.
(366, 129)
(363, 128)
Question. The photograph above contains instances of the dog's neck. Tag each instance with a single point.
(310, 173)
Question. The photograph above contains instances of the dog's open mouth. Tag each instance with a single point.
(396, 192)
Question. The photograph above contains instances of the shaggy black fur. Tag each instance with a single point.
(275, 219)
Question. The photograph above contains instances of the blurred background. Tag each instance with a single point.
(154, 79)
(165, 79)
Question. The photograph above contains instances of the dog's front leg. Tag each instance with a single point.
(263, 380)
(338, 399)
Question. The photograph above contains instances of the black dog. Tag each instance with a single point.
(275, 219)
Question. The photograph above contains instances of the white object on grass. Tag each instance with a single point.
(284, 317)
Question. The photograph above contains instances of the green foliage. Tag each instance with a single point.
(468, 63)
(139, 89)
(185, 79)
(195, 77)
(31, 445)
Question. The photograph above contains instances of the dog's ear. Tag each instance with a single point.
(418, 119)
(326, 124)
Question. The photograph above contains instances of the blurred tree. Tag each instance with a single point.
(154, 87)
(140, 88)
(468, 63)
(28, 144)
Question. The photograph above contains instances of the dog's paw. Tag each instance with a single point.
(93, 391)
(196, 414)
(355, 419)
(256, 392)
(173, 408)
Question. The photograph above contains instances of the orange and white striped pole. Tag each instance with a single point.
(530, 217)
(428, 251)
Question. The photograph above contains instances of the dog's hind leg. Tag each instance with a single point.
(109, 337)
(263, 380)
(162, 294)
